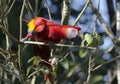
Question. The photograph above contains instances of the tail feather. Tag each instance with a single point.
(44, 53)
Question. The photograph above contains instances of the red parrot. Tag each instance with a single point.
(48, 31)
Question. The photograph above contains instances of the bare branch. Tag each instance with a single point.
(112, 60)
(60, 45)
(21, 15)
(117, 46)
(3, 52)
(19, 47)
(65, 12)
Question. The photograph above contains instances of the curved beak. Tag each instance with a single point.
(78, 37)
(75, 38)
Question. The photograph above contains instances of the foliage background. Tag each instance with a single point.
(80, 65)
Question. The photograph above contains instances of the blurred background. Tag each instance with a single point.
(74, 69)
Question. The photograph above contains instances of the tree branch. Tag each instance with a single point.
(81, 13)
(9, 35)
(22, 74)
(112, 60)
(65, 12)
(103, 23)
(7, 9)
(60, 45)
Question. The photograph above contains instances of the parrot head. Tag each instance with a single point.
(72, 33)
(35, 25)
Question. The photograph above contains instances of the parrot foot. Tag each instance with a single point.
(24, 39)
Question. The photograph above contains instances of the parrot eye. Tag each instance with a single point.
(73, 30)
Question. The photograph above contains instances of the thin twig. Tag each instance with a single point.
(7, 38)
(34, 73)
(21, 15)
(60, 45)
(3, 52)
(117, 45)
(9, 35)
(8, 8)
(5, 23)
(81, 13)
(64, 57)
(95, 25)
(36, 7)
(48, 9)
(19, 46)
(102, 21)
(112, 60)
(29, 8)
(39, 10)
(89, 71)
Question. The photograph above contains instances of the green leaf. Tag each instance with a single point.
(31, 59)
(96, 79)
(95, 43)
(33, 80)
(65, 64)
(46, 71)
(9, 69)
(37, 60)
(28, 70)
(92, 40)
(83, 52)
(89, 39)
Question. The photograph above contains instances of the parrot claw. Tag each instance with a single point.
(23, 39)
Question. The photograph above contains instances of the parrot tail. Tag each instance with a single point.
(44, 53)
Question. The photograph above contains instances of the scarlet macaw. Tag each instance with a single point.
(48, 31)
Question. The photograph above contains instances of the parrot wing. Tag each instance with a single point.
(39, 28)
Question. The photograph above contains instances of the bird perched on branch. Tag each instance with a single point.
(48, 31)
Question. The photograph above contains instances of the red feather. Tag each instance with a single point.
(49, 31)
